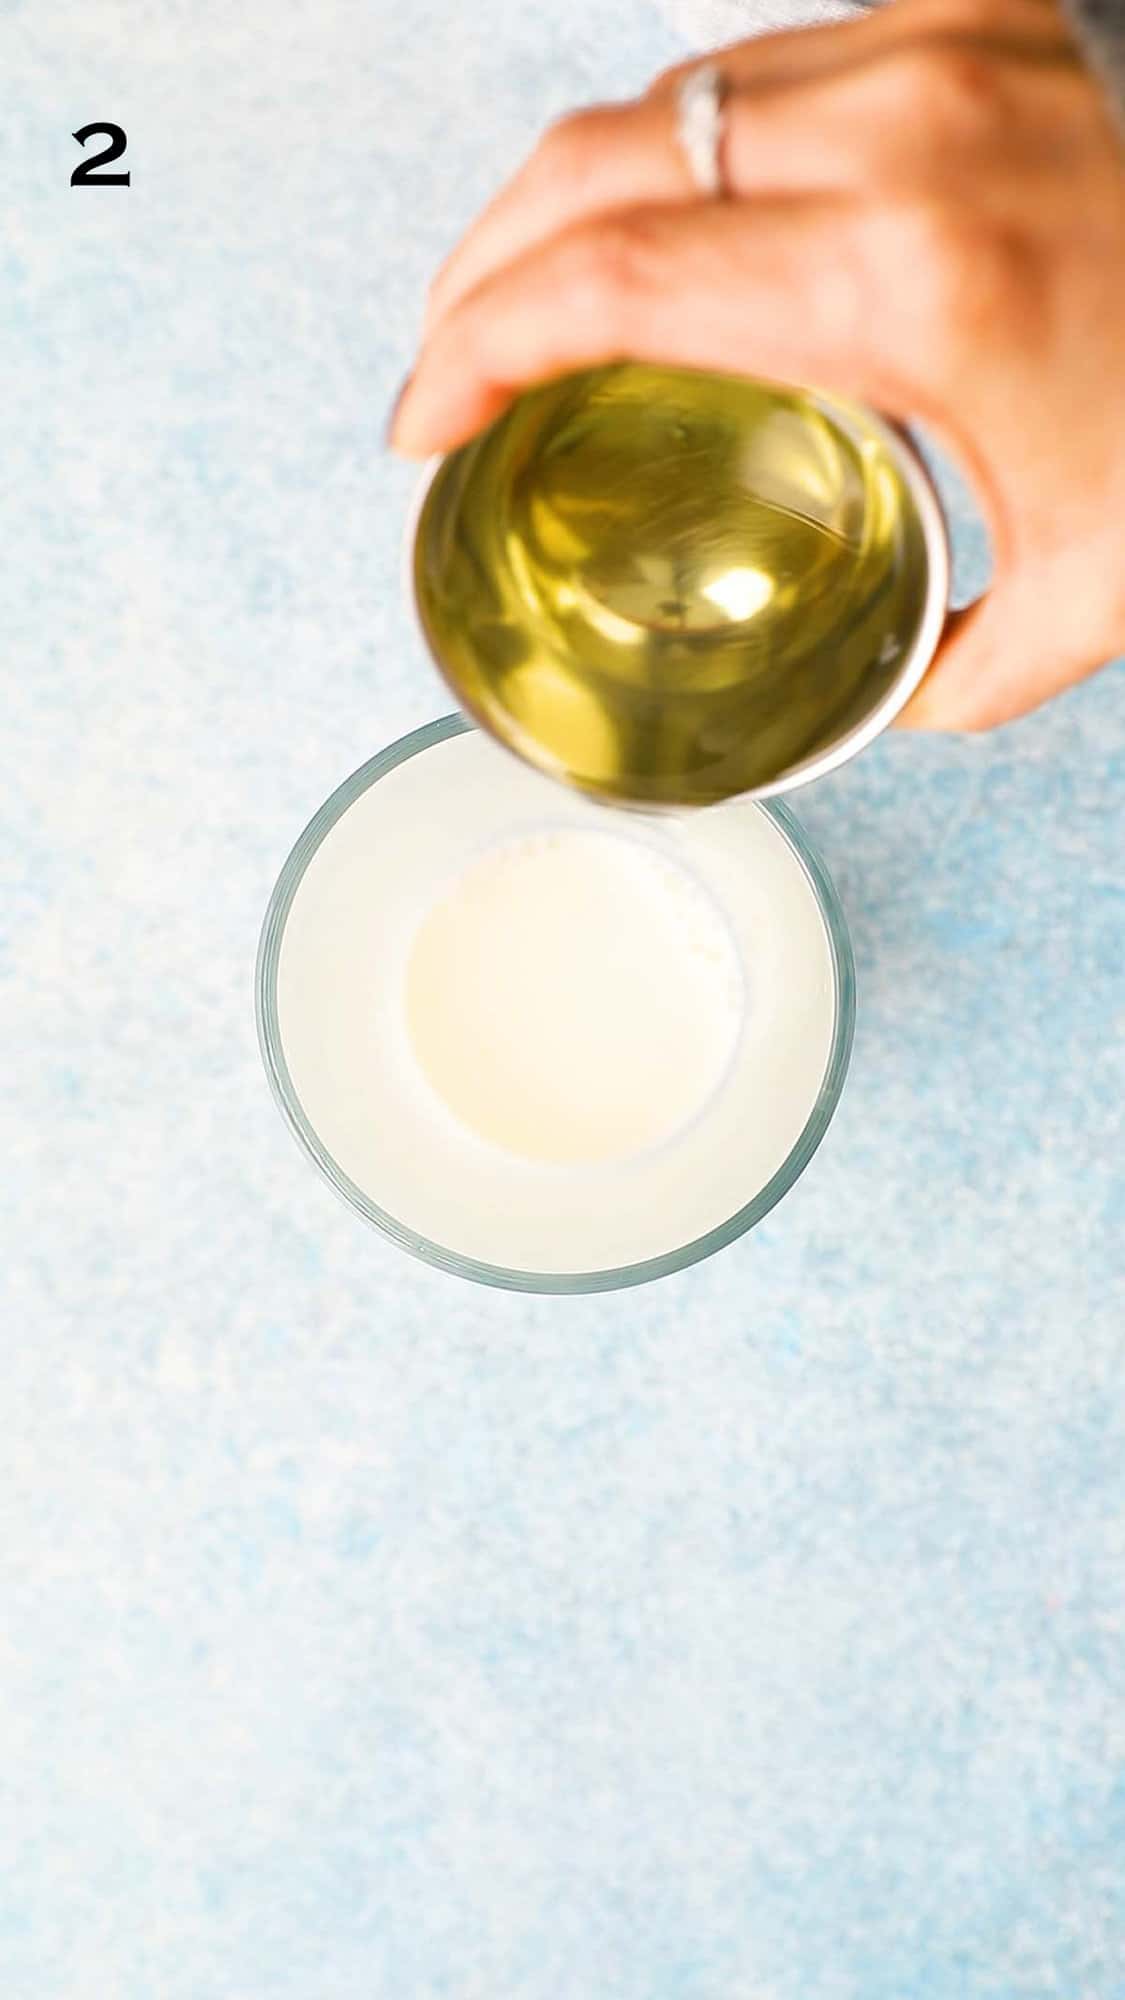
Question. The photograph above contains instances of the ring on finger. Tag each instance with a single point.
(701, 103)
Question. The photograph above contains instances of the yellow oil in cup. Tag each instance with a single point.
(667, 588)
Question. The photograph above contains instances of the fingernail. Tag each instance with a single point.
(392, 417)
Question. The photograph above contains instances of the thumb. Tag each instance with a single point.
(1002, 657)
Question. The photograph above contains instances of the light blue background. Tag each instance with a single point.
(755, 1636)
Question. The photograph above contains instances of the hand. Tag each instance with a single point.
(927, 213)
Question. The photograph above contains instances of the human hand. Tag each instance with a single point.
(926, 212)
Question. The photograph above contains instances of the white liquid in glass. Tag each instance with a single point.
(544, 1035)
(574, 996)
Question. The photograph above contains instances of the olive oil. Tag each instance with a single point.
(667, 587)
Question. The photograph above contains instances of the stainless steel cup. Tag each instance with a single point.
(716, 710)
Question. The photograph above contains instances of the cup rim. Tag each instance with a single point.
(570, 1283)
(915, 663)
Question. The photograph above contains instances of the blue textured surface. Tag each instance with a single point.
(756, 1636)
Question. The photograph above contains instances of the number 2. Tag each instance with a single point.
(84, 175)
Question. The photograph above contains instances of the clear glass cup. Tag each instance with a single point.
(570, 1283)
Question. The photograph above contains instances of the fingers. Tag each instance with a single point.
(777, 138)
(619, 156)
(823, 139)
(628, 156)
(858, 108)
(799, 55)
(775, 290)
(794, 56)
(1000, 659)
(605, 158)
(957, 693)
(623, 156)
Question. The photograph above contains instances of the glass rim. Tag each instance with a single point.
(569, 1283)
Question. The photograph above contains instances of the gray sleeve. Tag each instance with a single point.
(1100, 25)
